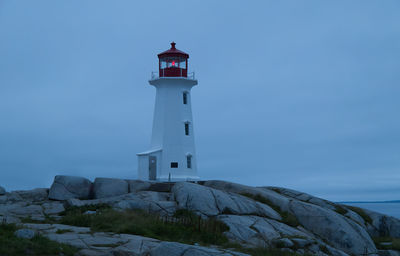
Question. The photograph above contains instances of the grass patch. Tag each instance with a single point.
(63, 231)
(47, 220)
(11, 245)
(82, 209)
(287, 217)
(361, 212)
(324, 249)
(185, 227)
(75, 216)
(340, 209)
(395, 243)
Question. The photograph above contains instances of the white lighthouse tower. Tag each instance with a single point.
(172, 154)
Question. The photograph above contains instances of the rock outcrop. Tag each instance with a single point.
(66, 187)
(107, 187)
(275, 198)
(99, 243)
(212, 202)
(267, 217)
(383, 225)
(340, 231)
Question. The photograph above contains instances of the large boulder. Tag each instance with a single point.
(207, 201)
(2, 191)
(274, 198)
(341, 232)
(108, 187)
(66, 187)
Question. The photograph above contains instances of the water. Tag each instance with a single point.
(391, 209)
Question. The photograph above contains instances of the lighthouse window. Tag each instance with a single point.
(189, 161)
(186, 128)
(174, 164)
(185, 98)
(182, 64)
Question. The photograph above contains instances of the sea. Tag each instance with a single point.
(388, 208)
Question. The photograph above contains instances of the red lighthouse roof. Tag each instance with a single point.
(173, 52)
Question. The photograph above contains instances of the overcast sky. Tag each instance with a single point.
(299, 94)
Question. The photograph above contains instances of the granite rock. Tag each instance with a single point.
(66, 187)
(211, 202)
(341, 232)
(107, 187)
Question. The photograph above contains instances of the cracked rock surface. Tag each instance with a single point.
(101, 243)
(256, 217)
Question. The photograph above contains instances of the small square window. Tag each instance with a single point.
(174, 164)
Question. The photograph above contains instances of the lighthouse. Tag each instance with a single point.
(172, 153)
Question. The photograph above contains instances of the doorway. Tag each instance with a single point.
(152, 168)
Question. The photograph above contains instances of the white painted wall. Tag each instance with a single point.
(170, 115)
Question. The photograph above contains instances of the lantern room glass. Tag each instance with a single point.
(173, 67)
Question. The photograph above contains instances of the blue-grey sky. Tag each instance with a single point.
(300, 94)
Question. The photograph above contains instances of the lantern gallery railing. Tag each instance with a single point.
(156, 75)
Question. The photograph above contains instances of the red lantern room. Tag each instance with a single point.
(173, 63)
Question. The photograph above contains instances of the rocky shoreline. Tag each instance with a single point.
(256, 217)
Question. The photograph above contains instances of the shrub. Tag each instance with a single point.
(340, 209)
(360, 212)
(63, 231)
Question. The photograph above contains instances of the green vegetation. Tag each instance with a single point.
(324, 249)
(340, 209)
(392, 243)
(47, 220)
(360, 212)
(287, 217)
(266, 252)
(63, 231)
(184, 227)
(259, 251)
(11, 245)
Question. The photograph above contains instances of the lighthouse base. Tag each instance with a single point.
(152, 168)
